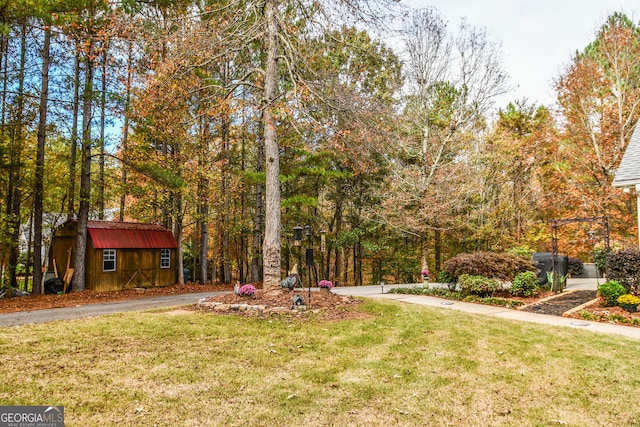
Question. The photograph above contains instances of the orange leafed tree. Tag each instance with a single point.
(599, 97)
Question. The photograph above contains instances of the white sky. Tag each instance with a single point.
(538, 38)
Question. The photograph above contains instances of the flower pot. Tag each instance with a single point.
(631, 308)
(247, 296)
(325, 289)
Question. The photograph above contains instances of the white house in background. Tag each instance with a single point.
(628, 173)
(50, 221)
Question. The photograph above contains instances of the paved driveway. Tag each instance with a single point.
(100, 309)
(93, 310)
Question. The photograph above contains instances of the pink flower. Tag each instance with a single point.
(325, 284)
(247, 290)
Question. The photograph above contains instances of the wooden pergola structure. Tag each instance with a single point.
(555, 226)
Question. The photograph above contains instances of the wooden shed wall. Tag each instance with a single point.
(134, 267)
(63, 249)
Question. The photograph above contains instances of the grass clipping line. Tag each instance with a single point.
(398, 364)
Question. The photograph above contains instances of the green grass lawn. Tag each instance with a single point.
(403, 365)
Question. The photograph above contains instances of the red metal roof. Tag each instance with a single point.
(129, 235)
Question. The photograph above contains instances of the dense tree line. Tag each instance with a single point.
(232, 122)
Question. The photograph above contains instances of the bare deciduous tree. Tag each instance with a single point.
(452, 82)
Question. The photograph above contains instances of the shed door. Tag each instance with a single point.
(138, 268)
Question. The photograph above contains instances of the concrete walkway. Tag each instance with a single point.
(499, 312)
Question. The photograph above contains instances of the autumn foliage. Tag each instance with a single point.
(233, 122)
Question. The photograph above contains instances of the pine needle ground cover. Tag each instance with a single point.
(400, 365)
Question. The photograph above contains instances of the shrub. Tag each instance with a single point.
(575, 267)
(523, 251)
(611, 290)
(500, 266)
(601, 259)
(451, 281)
(525, 284)
(444, 277)
(478, 285)
(624, 267)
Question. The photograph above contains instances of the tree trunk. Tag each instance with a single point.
(226, 204)
(74, 140)
(14, 194)
(344, 251)
(424, 250)
(4, 64)
(358, 263)
(204, 249)
(337, 262)
(175, 209)
(39, 172)
(103, 109)
(203, 217)
(27, 263)
(214, 262)
(178, 233)
(85, 178)
(258, 217)
(337, 217)
(271, 248)
(3, 117)
(437, 242)
(125, 131)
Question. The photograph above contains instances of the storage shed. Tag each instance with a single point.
(119, 255)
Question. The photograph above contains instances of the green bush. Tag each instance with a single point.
(611, 290)
(624, 267)
(524, 285)
(478, 285)
(522, 251)
(444, 277)
(601, 259)
(501, 266)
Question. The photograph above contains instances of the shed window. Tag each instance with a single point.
(108, 260)
(165, 258)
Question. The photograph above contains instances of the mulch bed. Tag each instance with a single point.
(561, 304)
(614, 315)
(328, 305)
